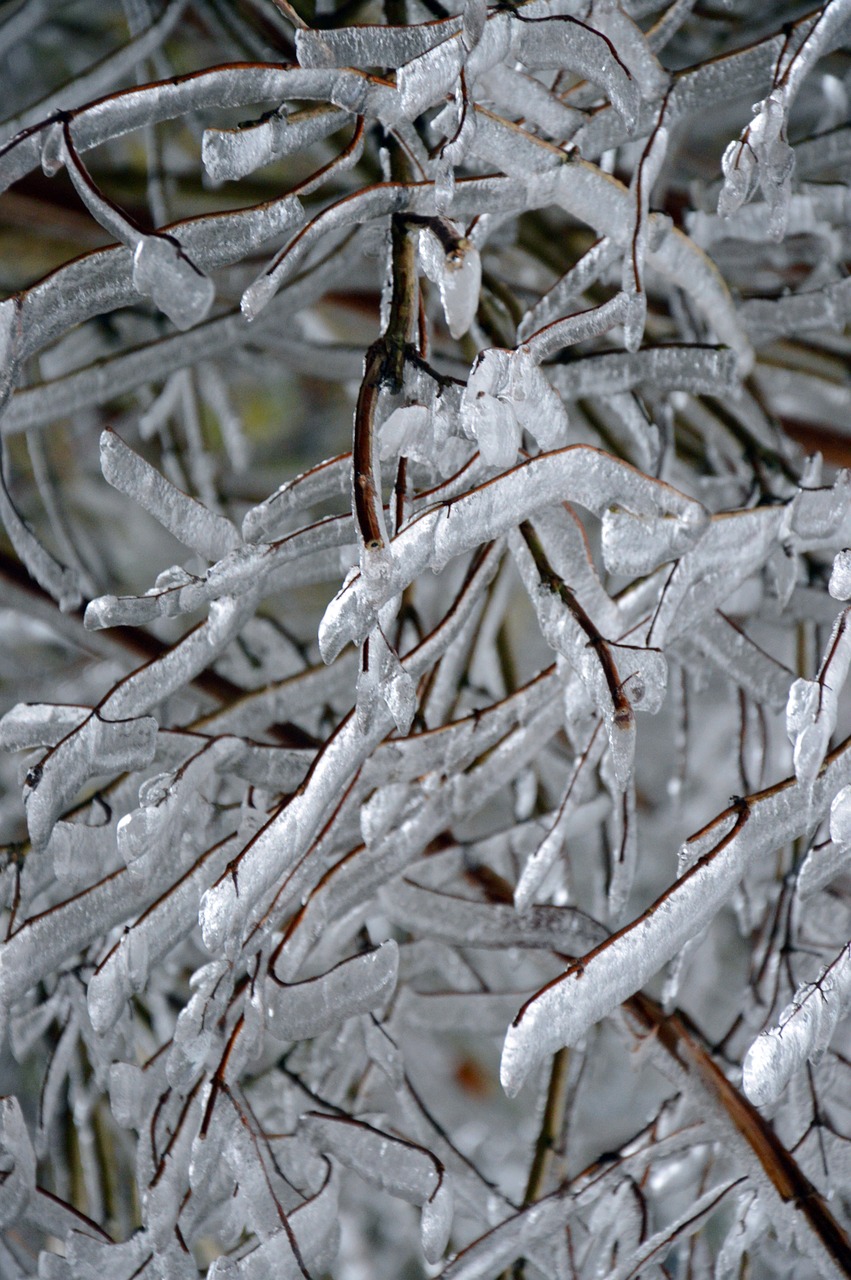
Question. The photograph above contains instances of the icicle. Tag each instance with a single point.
(840, 578)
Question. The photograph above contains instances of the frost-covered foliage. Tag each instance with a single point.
(410, 543)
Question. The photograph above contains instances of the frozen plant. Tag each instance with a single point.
(426, 621)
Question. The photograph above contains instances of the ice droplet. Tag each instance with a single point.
(163, 272)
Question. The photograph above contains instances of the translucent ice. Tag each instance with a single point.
(840, 578)
(802, 1033)
(163, 272)
(211, 535)
(17, 1162)
(358, 985)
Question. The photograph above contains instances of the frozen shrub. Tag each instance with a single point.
(425, 640)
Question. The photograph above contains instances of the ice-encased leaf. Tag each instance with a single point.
(17, 1162)
(164, 273)
(803, 1032)
(299, 1011)
(211, 535)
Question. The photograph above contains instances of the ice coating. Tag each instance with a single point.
(564, 1010)
(402, 1168)
(99, 745)
(803, 1032)
(229, 154)
(39, 725)
(436, 1221)
(62, 582)
(193, 524)
(458, 919)
(302, 1010)
(164, 273)
(840, 578)
(18, 1162)
(157, 931)
(571, 820)
(578, 473)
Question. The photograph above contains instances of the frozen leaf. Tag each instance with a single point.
(163, 272)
